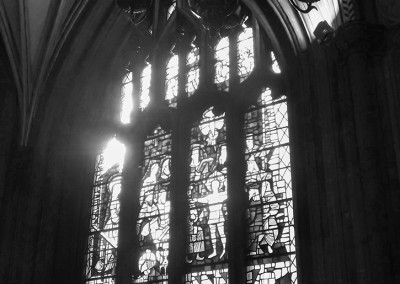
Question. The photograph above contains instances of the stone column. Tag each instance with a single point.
(360, 48)
(392, 128)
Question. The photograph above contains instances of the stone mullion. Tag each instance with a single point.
(179, 177)
(236, 166)
(262, 47)
(183, 47)
(237, 198)
(179, 213)
(157, 86)
(128, 243)
(207, 60)
(158, 56)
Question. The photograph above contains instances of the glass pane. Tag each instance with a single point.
(245, 53)
(171, 84)
(275, 65)
(271, 241)
(153, 222)
(110, 280)
(171, 9)
(217, 276)
(222, 65)
(103, 238)
(145, 87)
(126, 98)
(192, 77)
(207, 198)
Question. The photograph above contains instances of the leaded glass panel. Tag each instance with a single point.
(145, 87)
(207, 198)
(171, 84)
(153, 220)
(215, 276)
(275, 65)
(192, 77)
(222, 64)
(171, 9)
(245, 55)
(126, 98)
(271, 243)
(103, 236)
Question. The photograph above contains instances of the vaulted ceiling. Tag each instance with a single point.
(39, 36)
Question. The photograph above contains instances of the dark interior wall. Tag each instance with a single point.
(10, 159)
(345, 157)
(345, 133)
(344, 129)
(45, 187)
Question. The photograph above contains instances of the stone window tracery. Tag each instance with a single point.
(189, 141)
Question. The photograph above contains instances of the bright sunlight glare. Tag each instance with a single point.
(113, 154)
(127, 103)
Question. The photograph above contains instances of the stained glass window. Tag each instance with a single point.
(153, 220)
(271, 243)
(103, 237)
(245, 53)
(185, 162)
(275, 65)
(192, 77)
(207, 199)
(222, 64)
(145, 87)
(126, 98)
(171, 84)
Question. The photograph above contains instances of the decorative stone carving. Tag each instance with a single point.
(306, 10)
(360, 37)
(137, 9)
(388, 11)
(347, 11)
(215, 13)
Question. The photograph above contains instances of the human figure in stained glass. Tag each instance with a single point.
(208, 194)
(198, 229)
(260, 189)
(107, 195)
(153, 226)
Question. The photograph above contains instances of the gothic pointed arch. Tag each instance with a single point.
(206, 191)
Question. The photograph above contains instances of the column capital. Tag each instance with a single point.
(360, 37)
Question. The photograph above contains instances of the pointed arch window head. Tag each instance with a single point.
(145, 80)
(245, 49)
(126, 98)
(275, 65)
(222, 64)
(171, 84)
(192, 65)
